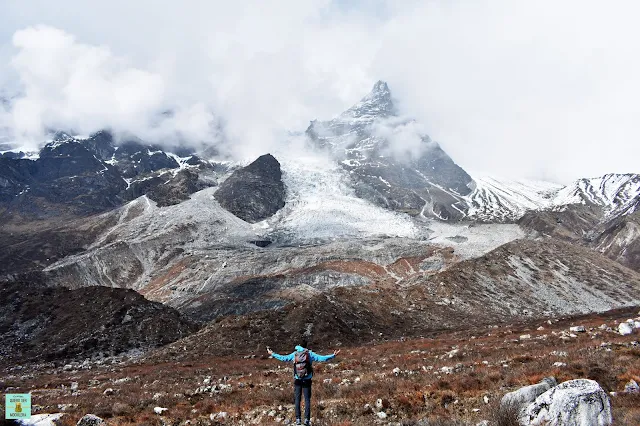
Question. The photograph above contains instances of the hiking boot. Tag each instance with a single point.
(298, 421)
(307, 422)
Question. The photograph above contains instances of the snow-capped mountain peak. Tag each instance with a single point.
(370, 142)
(376, 104)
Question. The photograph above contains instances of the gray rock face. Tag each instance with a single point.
(255, 192)
(526, 395)
(369, 141)
(578, 402)
(90, 420)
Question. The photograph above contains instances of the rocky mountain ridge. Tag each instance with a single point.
(508, 200)
(73, 177)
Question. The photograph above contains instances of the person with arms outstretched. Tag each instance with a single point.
(302, 359)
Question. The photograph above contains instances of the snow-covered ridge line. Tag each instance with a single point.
(611, 191)
(503, 199)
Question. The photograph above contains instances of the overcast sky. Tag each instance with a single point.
(543, 89)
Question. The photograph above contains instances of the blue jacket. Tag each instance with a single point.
(312, 357)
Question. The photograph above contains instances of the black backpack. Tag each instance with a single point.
(302, 364)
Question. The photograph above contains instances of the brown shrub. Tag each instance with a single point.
(523, 359)
(443, 384)
(505, 414)
(626, 409)
(446, 398)
(437, 421)
(410, 403)
(467, 384)
(120, 409)
(605, 377)
(495, 376)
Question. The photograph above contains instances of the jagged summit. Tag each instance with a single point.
(365, 140)
(376, 104)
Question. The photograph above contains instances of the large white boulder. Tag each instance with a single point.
(526, 395)
(42, 420)
(625, 328)
(578, 402)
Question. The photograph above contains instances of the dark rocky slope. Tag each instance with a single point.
(39, 323)
(574, 223)
(255, 192)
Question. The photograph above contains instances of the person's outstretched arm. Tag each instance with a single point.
(323, 358)
(285, 358)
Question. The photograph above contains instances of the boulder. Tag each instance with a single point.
(159, 410)
(632, 387)
(42, 420)
(90, 420)
(625, 328)
(579, 402)
(526, 395)
(255, 192)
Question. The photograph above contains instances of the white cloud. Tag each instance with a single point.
(405, 137)
(70, 85)
(525, 89)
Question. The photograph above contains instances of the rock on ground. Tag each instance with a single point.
(159, 410)
(632, 387)
(42, 420)
(578, 402)
(90, 420)
(526, 395)
(625, 329)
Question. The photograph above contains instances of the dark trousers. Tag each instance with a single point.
(303, 386)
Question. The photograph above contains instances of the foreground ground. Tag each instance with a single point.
(457, 377)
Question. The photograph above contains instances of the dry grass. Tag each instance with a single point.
(441, 381)
(505, 415)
